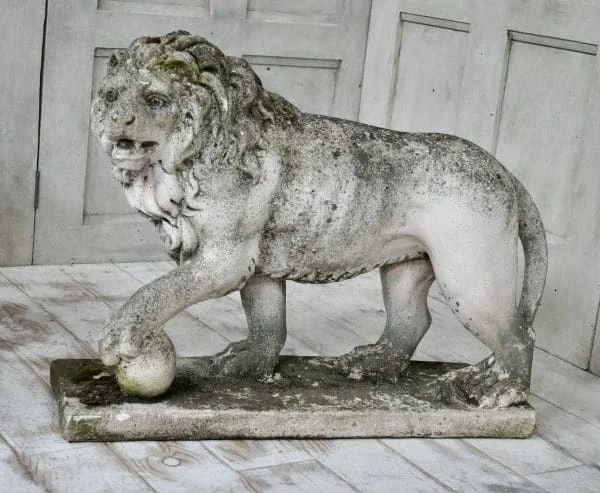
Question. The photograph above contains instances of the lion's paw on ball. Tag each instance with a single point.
(152, 371)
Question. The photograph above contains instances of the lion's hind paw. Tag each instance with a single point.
(484, 384)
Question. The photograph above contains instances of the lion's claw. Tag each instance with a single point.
(116, 345)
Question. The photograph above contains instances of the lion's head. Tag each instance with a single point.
(172, 108)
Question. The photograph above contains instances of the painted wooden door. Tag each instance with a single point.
(21, 37)
(521, 78)
(312, 52)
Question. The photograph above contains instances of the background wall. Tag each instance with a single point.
(21, 37)
(521, 78)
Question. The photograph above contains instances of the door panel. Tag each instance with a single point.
(521, 79)
(313, 55)
(546, 89)
(21, 38)
(541, 139)
(186, 8)
(430, 70)
(310, 11)
(309, 84)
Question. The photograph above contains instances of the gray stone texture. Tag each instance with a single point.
(306, 398)
(247, 192)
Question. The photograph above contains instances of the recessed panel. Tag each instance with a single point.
(542, 120)
(305, 11)
(429, 77)
(309, 84)
(183, 8)
(103, 195)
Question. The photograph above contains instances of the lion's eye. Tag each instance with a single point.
(156, 101)
(111, 96)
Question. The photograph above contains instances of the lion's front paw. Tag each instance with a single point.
(117, 344)
(378, 361)
(243, 359)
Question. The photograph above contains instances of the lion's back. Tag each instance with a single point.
(349, 195)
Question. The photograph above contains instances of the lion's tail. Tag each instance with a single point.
(533, 238)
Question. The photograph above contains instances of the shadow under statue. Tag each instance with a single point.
(247, 192)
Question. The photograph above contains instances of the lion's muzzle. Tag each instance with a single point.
(131, 154)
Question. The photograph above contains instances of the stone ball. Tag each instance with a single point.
(152, 371)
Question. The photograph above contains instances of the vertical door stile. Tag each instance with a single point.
(21, 38)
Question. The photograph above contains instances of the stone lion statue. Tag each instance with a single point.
(247, 192)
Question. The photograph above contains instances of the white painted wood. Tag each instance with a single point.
(309, 11)
(180, 467)
(307, 476)
(15, 473)
(572, 389)
(374, 466)
(309, 84)
(258, 454)
(521, 79)
(532, 456)
(434, 56)
(312, 54)
(460, 466)
(567, 432)
(192, 8)
(595, 359)
(582, 479)
(21, 32)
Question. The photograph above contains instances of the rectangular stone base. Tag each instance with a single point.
(306, 398)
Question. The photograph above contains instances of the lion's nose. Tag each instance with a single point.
(126, 119)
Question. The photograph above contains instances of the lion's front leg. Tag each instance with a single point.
(143, 315)
(264, 303)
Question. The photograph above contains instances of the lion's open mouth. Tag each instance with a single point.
(132, 154)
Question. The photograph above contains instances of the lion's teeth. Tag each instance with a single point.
(119, 153)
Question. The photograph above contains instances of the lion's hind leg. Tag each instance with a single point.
(405, 286)
(479, 283)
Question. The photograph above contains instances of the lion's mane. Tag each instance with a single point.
(244, 110)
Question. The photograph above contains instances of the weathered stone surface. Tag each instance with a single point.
(247, 192)
(306, 397)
